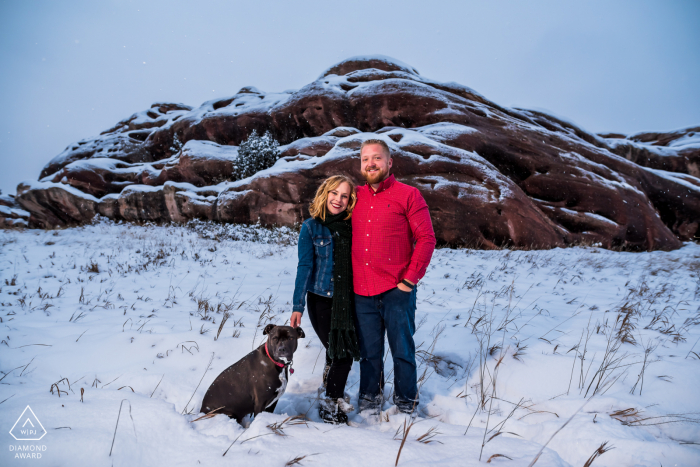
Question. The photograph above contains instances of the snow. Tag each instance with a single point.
(146, 117)
(585, 167)
(45, 185)
(661, 151)
(248, 99)
(685, 180)
(340, 130)
(566, 121)
(382, 58)
(140, 326)
(140, 189)
(684, 140)
(371, 89)
(8, 200)
(688, 141)
(209, 150)
(446, 131)
(13, 212)
(591, 215)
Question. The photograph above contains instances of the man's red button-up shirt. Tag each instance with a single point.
(392, 237)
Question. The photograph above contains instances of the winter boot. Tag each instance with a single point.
(407, 407)
(330, 411)
(344, 405)
(371, 404)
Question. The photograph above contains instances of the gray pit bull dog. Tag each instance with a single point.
(257, 381)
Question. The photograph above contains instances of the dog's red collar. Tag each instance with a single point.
(291, 370)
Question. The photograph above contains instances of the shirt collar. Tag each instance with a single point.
(385, 185)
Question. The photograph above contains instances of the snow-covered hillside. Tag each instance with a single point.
(511, 345)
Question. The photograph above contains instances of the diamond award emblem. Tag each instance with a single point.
(28, 427)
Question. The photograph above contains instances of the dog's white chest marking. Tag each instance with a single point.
(282, 388)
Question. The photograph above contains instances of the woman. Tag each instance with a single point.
(324, 276)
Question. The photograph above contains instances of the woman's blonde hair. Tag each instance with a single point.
(318, 209)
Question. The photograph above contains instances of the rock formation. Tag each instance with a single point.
(11, 214)
(491, 175)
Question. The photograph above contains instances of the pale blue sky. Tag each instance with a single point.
(71, 69)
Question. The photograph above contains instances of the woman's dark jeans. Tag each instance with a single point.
(393, 312)
(320, 316)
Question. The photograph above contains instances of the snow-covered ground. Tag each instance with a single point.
(124, 312)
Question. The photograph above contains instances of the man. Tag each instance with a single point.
(393, 241)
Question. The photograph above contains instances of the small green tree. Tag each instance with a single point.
(177, 145)
(255, 154)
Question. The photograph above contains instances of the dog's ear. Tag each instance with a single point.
(268, 328)
(300, 333)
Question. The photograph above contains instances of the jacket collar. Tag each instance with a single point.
(385, 185)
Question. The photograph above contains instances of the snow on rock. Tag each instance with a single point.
(117, 146)
(493, 175)
(363, 62)
(132, 315)
(124, 141)
(675, 151)
(54, 205)
(11, 215)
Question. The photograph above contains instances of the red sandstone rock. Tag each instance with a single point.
(53, 205)
(491, 175)
(11, 214)
(675, 151)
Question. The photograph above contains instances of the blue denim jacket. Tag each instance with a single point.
(315, 269)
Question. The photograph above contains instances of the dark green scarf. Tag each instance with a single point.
(342, 341)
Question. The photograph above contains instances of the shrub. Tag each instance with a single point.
(255, 154)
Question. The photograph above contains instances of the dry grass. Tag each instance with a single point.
(496, 456)
(625, 416)
(602, 449)
(519, 351)
(428, 436)
(406, 430)
(63, 381)
(625, 319)
(648, 349)
(210, 414)
(92, 267)
(221, 326)
(442, 365)
(605, 375)
(278, 427)
(116, 425)
(632, 417)
(200, 382)
(298, 459)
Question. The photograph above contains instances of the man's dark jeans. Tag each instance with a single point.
(393, 312)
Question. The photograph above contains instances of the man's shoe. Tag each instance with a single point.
(407, 407)
(371, 404)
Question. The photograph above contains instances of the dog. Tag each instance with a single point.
(257, 381)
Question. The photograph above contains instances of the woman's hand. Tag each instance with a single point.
(296, 319)
(402, 287)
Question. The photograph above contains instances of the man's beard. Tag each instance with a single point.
(377, 176)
